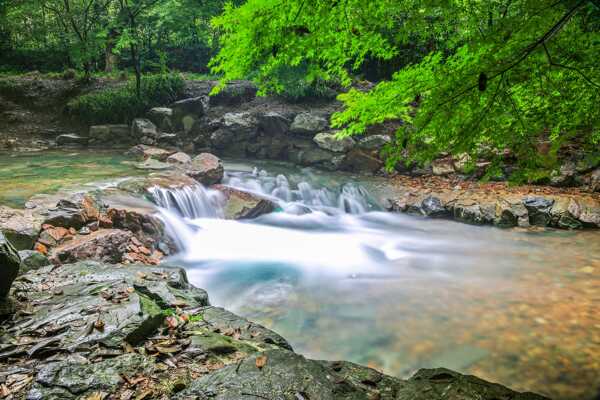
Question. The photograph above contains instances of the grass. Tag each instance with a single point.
(121, 105)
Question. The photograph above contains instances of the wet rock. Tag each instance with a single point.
(74, 212)
(77, 379)
(538, 209)
(144, 152)
(128, 299)
(443, 383)
(100, 135)
(206, 169)
(142, 127)
(179, 158)
(167, 139)
(329, 141)
(474, 213)
(162, 118)
(243, 205)
(360, 161)
(108, 245)
(234, 93)
(273, 123)
(588, 212)
(187, 111)
(174, 179)
(286, 375)
(152, 164)
(9, 266)
(70, 139)
(432, 207)
(32, 260)
(313, 156)
(21, 227)
(309, 123)
(510, 213)
(560, 215)
(374, 142)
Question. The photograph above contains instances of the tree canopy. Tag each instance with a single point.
(472, 76)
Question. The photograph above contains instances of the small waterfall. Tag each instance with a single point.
(190, 202)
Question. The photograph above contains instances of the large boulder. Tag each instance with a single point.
(21, 227)
(243, 205)
(206, 169)
(179, 158)
(187, 112)
(565, 176)
(107, 245)
(360, 161)
(273, 123)
(234, 93)
(162, 118)
(73, 212)
(144, 130)
(539, 209)
(329, 141)
(309, 124)
(116, 135)
(9, 266)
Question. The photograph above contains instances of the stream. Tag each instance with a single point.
(341, 279)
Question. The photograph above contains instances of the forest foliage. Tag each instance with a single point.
(463, 77)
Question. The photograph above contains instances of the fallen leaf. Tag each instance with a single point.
(261, 361)
(96, 396)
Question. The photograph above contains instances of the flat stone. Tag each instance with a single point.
(108, 245)
(309, 123)
(71, 139)
(32, 260)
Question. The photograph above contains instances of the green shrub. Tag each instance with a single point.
(121, 105)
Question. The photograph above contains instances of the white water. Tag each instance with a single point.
(340, 279)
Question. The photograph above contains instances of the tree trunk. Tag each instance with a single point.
(110, 58)
(138, 73)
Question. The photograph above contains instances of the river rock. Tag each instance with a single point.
(144, 152)
(162, 118)
(71, 139)
(187, 111)
(309, 123)
(360, 161)
(538, 209)
(206, 169)
(594, 182)
(374, 142)
(144, 130)
(312, 156)
(32, 260)
(511, 213)
(561, 215)
(432, 206)
(243, 125)
(73, 212)
(21, 227)
(273, 124)
(243, 205)
(179, 158)
(152, 164)
(107, 245)
(9, 266)
(234, 93)
(329, 141)
(473, 212)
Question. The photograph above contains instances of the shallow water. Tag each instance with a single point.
(23, 175)
(398, 292)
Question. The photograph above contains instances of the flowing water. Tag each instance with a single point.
(341, 279)
(23, 175)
